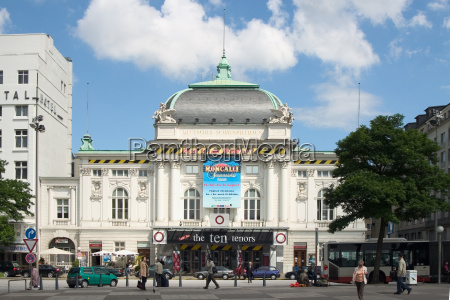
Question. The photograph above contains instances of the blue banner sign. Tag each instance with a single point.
(222, 184)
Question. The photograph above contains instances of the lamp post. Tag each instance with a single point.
(39, 128)
(439, 230)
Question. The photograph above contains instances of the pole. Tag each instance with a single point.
(439, 256)
(315, 260)
(359, 101)
(36, 190)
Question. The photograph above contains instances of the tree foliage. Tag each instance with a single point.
(15, 203)
(387, 173)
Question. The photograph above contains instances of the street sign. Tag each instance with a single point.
(30, 244)
(30, 233)
(30, 258)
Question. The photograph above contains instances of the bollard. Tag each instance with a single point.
(127, 279)
(101, 282)
(235, 279)
(180, 284)
(40, 283)
(76, 281)
(56, 282)
(264, 279)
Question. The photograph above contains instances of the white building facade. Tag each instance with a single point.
(222, 178)
(35, 79)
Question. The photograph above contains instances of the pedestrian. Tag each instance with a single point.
(35, 277)
(401, 274)
(303, 278)
(239, 271)
(143, 272)
(446, 270)
(209, 268)
(128, 265)
(359, 278)
(249, 271)
(158, 272)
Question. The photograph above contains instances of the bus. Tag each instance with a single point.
(340, 259)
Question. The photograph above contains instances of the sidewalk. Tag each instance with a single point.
(193, 289)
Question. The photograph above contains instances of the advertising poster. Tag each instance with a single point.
(221, 184)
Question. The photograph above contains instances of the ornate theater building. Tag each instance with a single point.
(222, 177)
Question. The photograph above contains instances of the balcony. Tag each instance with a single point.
(192, 223)
(252, 224)
(123, 223)
(61, 222)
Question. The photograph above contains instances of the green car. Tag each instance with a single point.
(90, 276)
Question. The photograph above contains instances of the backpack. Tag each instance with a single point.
(214, 269)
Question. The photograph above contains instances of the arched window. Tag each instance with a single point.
(252, 205)
(191, 205)
(120, 204)
(324, 213)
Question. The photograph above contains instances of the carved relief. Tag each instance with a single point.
(105, 172)
(85, 171)
(96, 189)
(302, 190)
(151, 172)
(282, 115)
(270, 164)
(133, 172)
(294, 172)
(175, 164)
(160, 165)
(142, 190)
(284, 164)
(310, 172)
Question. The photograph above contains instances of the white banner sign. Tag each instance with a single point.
(280, 238)
(219, 220)
(159, 237)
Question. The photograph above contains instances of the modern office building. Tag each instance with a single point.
(222, 177)
(35, 80)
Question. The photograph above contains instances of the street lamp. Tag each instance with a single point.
(39, 128)
(439, 231)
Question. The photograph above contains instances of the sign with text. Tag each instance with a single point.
(221, 183)
(234, 237)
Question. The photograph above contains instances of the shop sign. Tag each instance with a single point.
(233, 237)
(61, 241)
(15, 248)
(95, 245)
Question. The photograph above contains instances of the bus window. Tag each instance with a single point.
(369, 258)
(350, 254)
(333, 254)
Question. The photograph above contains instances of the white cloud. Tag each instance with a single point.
(338, 107)
(438, 5)
(381, 10)
(4, 19)
(447, 22)
(394, 49)
(420, 20)
(279, 16)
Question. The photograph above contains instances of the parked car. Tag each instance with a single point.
(222, 272)
(45, 270)
(151, 272)
(9, 268)
(271, 272)
(293, 274)
(115, 271)
(90, 276)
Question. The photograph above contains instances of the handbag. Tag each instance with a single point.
(139, 284)
(214, 270)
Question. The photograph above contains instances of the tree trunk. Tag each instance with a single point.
(376, 269)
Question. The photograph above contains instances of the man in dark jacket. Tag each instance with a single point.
(249, 272)
(209, 268)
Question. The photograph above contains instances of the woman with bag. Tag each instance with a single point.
(359, 278)
(143, 272)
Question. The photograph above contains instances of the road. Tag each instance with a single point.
(192, 289)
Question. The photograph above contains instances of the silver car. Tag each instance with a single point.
(222, 272)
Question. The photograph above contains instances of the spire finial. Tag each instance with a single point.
(87, 108)
(224, 32)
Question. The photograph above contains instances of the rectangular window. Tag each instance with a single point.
(324, 173)
(191, 169)
(1, 111)
(118, 246)
(21, 110)
(0, 139)
(1, 77)
(302, 174)
(23, 77)
(443, 138)
(21, 138)
(143, 173)
(21, 170)
(97, 173)
(252, 169)
(120, 173)
(62, 208)
(221, 210)
(443, 157)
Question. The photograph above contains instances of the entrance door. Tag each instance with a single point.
(300, 258)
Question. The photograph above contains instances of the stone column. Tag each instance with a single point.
(174, 190)
(269, 190)
(284, 192)
(159, 201)
(72, 214)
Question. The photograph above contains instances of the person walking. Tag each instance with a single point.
(446, 270)
(401, 274)
(239, 271)
(127, 267)
(359, 278)
(35, 277)
(249, 272)
(209, 268)
(143, 272)
(158, 272)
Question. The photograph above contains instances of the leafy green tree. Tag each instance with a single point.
(389, 174)
(15, 202)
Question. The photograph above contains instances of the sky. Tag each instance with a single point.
(324, 58)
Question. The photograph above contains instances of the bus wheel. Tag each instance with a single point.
(381, 277)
